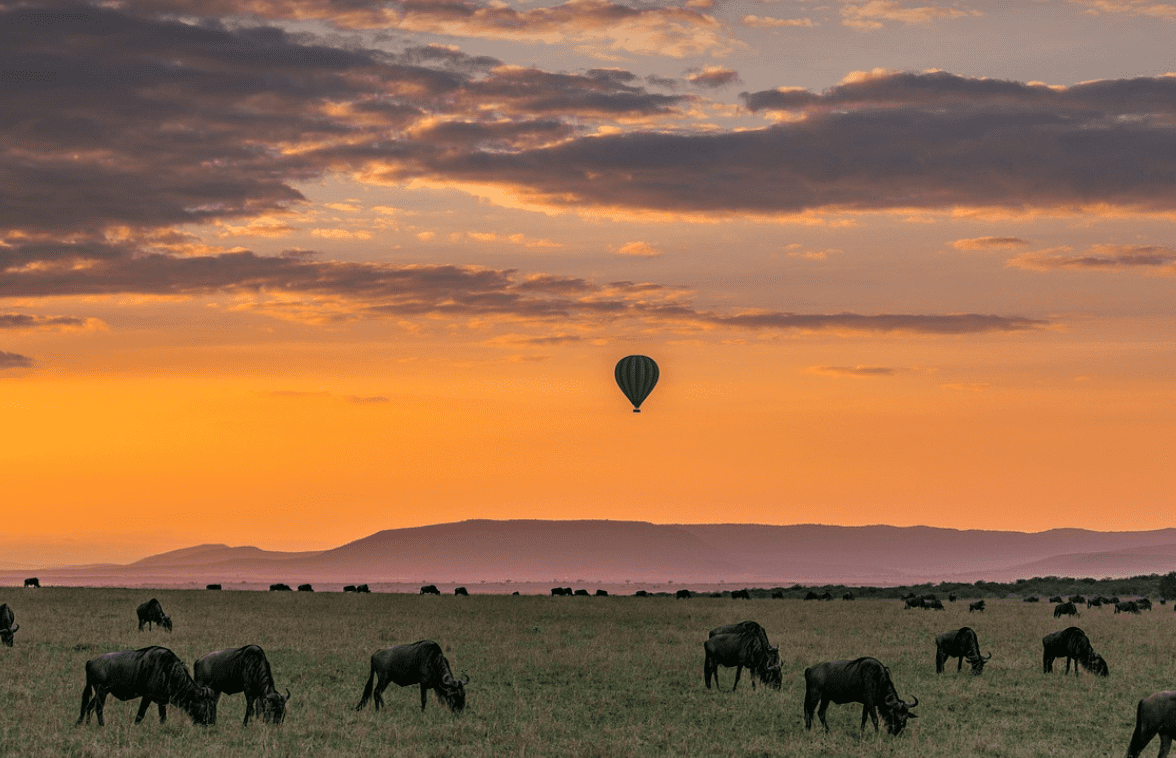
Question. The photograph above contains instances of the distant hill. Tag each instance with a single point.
(619, 551)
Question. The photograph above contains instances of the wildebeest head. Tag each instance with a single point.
(452, 692)
(895, 713)
(977, 662)
(202, 709)
(273, 706)
(166, 623)
(770, 674)
(7, 633)
(1098, 666)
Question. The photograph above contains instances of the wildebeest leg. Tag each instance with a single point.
(143, 706)
(99, 706)
(810, 704)
(1140, 738)
(960, 665)
(868, 710)
(1046, 663)
(738, 671)
(162, 713)
(424, 693)
(1165, 744)
(87, 691)
(248, 709)
(378, 693)
(212, 711)
(709, 669)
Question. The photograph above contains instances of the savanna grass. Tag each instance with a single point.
(571, 677)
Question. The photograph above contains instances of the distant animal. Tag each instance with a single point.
(1094, 602)
(1155, 714)
(150, 613)
(1073, 644)
(362, 589)
(8, 626)
(777, 595)
(932, 605)
(1056, 599)
(280, 588)
(740, 595)
(846, 596)
(683, 594)
(349, 588)
(951, 597)
(864, 681)
(581, 593)
(461, 591)
(32, 581)
(419, 663)
(961, 643)
(1077, 599)
(516, 592)
(976, 606)
(601, 593)
(811, 595)
(430, 589)
(739, 645)
(242, 669)
(557, 591)
(152, 673)
(912, 602)
(827, 595)
(1032, 599)
(640, 593)
(1143, 604)
(305, 588)
(212, 587)
(1128, 607)
(1113, 600)
(1065, 609)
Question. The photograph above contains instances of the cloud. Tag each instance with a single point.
(1098, 258)
(1145, 8)
(871, 15)
(988, 243)
(367, 399)
(638, 249)
(713, 77)
(857, 371)
(14, 360)
(769, 22)
(27, 321)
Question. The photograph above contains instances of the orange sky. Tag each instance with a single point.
(287, 290)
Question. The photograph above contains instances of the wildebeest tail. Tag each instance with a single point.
(87, 692)
(367, 689)
(1138, 743)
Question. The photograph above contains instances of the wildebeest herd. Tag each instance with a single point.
(156, 675)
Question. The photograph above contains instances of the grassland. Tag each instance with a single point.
(570, 677)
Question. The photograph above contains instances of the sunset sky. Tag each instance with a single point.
(289, 272)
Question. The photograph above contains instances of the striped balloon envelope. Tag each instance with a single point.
(636, 376)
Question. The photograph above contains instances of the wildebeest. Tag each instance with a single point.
(933, 605)
(951, 597)
(305, 588)
(740, 595)
(777, 595)
(811, 595)
(847, 596)
(1128, 607)
(242, 669)
(152, 673)
(461, 591)
(683, 594)
(349, 588)
(1094, 602)
(7, 626)
(212, 586)
(640, 593)
(362, 589)
(1077, 599)
(1065, 609)
(557, 592)
(581, 593)
(912, 602)
(864, 681)
(32, 581)
(1143, 604)
(150, 613)
(601, 593)
(961, 643)
(1032, 599)
(430, 589)
(976, 606)
(739, 645)
(1056, 599)
(1155, 714)
(1075, 646)
(419, 663)
(279, 587)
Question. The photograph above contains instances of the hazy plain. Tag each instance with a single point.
(615, 676)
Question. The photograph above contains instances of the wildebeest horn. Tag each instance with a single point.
(465, 680)
(287, 695)
(988, 657)
(13, 629)
(912, 705)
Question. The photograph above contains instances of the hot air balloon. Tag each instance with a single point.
(636, 376)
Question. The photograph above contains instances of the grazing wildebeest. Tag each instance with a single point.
(602, 593)
(811, 595)
(1056, 599)
(951, 597)
(242, 669)
(581, 593)
(280, 588)
(419, 663)
(212, 587)
(32, 581)
(1065, 609)
(430, 589)
(961, 643)
(363, 589)
(777, 595)
(1094, 602)
(1155, 714)
(912, 602)
(1077, 599)
(1143, 604)
(846, 596)
(683, 594)
(1032, 599)
(461, 591)
(864, 681)
(305, 588)
(150, 613)
(1075, 646)
(349, 588)
(1128, 607)
(739, 645)
(640, 593)
(976, 606)
(7, 627)
(740, 595)
(557, 592)
(152, 673)
(1113, 600)
(933, 605)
